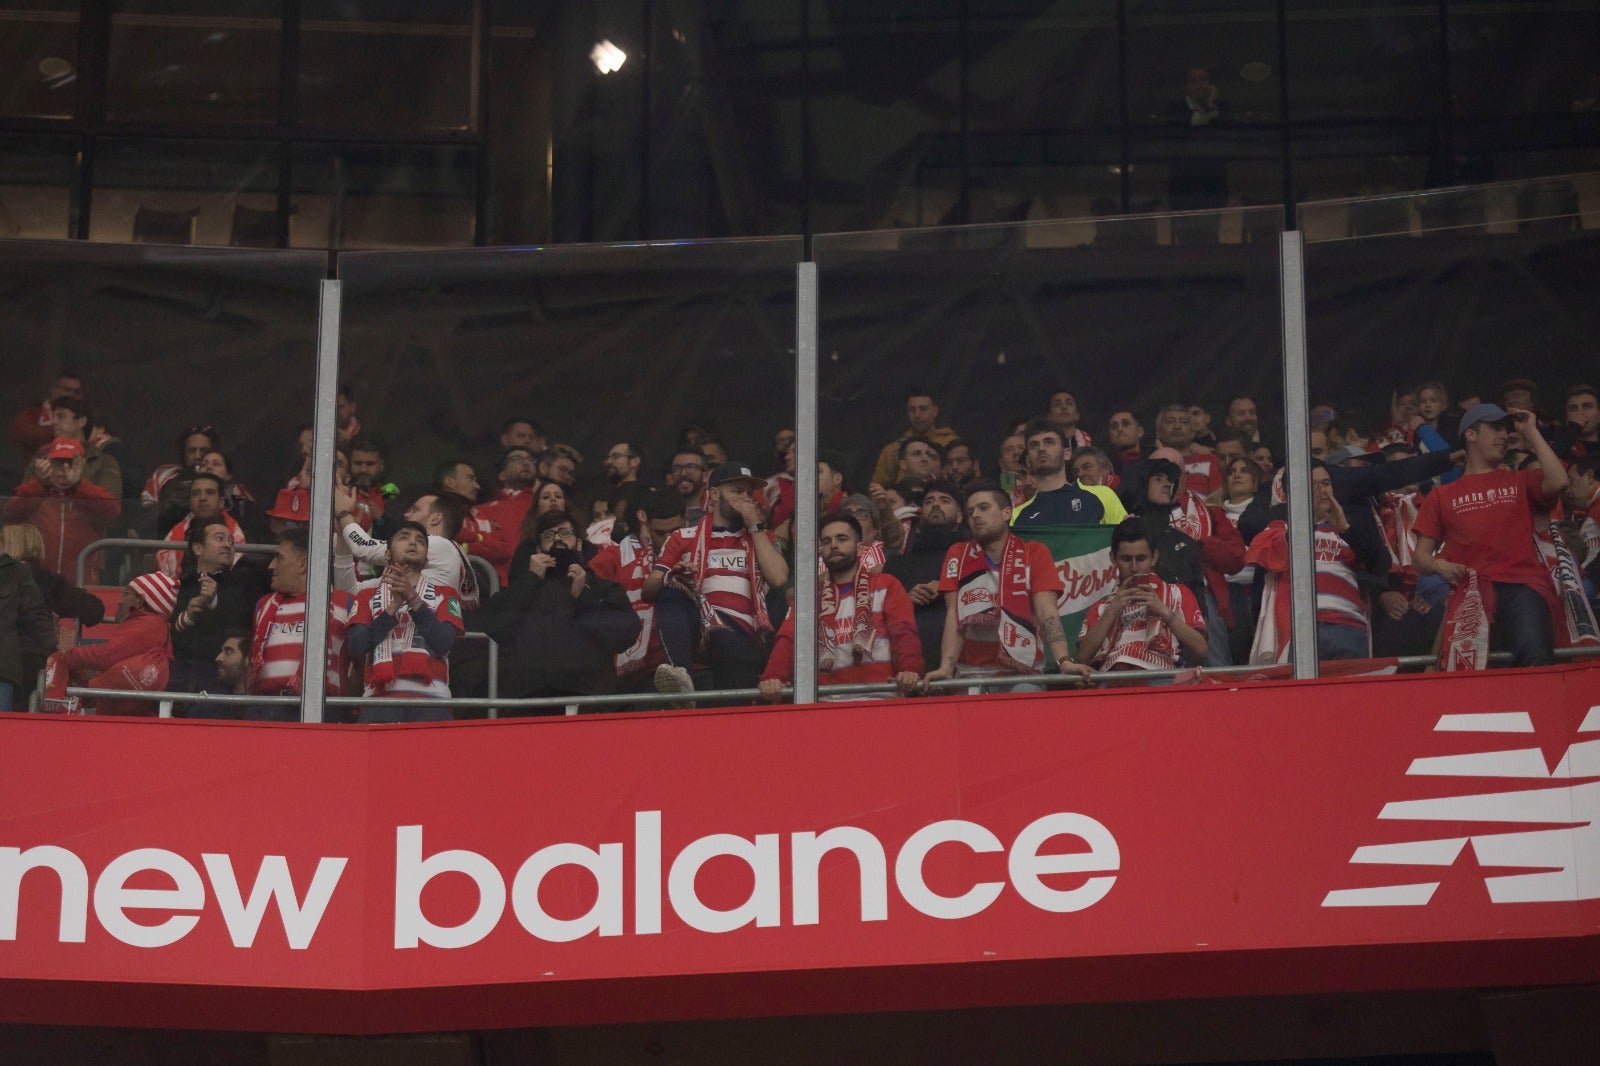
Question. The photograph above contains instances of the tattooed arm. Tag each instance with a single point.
(950, 644)
(1046, 608)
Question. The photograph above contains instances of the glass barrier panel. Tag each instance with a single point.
(509, 399)
(36, 185)
(152, 387)
(1432, 312)
(1048, 362)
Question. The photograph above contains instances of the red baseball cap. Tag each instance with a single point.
(294, 505)
(64, 448)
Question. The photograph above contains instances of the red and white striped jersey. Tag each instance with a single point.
(280, 634)
(1339, 599)
(729, 562)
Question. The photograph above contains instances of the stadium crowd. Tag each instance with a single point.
(1446, 528)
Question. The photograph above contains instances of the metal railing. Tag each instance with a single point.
(1120, 679)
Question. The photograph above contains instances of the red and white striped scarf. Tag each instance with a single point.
(698, 557)
(830, 655)
(1397, 517)
(1013, 605)
(637, 554)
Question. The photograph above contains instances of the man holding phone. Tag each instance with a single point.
(1146, 623)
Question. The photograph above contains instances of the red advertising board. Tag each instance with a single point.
(1401, 832)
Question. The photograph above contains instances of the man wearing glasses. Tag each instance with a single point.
(687, 477)
(561, 623)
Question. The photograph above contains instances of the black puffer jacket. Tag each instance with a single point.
(553, 643)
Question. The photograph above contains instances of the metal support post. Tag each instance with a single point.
(313, 672)
(1297, 442)
(805, 484)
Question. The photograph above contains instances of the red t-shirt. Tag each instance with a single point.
(981, 631)
(1485, 522)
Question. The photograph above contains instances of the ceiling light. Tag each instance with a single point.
(607, 57)
(56, 71)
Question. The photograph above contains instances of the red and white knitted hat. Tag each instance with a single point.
(157, 590)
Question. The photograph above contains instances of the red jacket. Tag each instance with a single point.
(67, 521)
(32, 427)
(139, 633)
(498, 525)
(897, 649)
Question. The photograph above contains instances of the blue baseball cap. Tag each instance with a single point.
(1483, 412)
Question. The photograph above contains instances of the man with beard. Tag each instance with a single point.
(497, 523)
(622, 465)
(710, 584)
(560, 463)
(367, 465)
(1001, 597)
(403, 627)
(656, 515)
(561, 623)
(919, 567)
(233, 679)
(1057, 500)
(865, 629)
(214, 595)
(687, 477)
(960, 465)
(1241, 418)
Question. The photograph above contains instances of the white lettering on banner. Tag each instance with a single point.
(762, 908)
(300, 920)
(1567, 858)
(174, 909)
(113, 898)
(1085, 579)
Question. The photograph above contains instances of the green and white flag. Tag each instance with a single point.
(1083, 560)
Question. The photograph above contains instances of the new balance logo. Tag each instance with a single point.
(1566, 854)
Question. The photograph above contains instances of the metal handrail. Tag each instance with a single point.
(654, 700)
(139, 542)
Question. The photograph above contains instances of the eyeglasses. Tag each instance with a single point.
(684, 468)
(550, 536)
